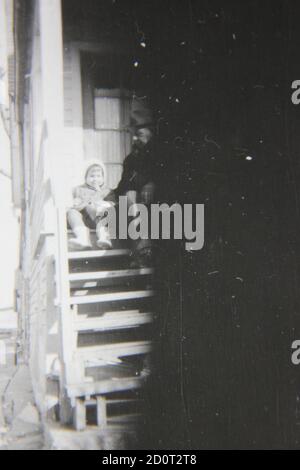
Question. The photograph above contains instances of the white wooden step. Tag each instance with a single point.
(110, 297)
(112, 321)
(110, 274)
(97, 254)
(116, 401)
(105, 386)
(124, 420)
(111, 352)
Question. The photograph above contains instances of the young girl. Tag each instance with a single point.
(90, 201)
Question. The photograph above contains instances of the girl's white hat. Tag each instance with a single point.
(93, 165)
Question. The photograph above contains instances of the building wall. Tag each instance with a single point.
(9, 232)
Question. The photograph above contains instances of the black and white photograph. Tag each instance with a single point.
(150, 227)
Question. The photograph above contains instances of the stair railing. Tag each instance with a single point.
(66, 329)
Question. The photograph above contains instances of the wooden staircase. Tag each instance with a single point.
(107, 338)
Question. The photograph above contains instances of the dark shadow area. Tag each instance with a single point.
(218, 75)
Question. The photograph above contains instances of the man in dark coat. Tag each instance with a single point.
(139, 166)
(138, 183)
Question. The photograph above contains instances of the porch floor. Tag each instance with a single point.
(20, 427)
(58, 437)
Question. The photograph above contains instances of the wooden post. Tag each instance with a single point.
(80, 415)
(51, 50)
(101, 412)
(69, 369)
(50, 19)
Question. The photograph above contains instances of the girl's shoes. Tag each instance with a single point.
(104, 244)
(81, 239)
(77, 243)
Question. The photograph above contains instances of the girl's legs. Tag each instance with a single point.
(80, 230)
(103, 237)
